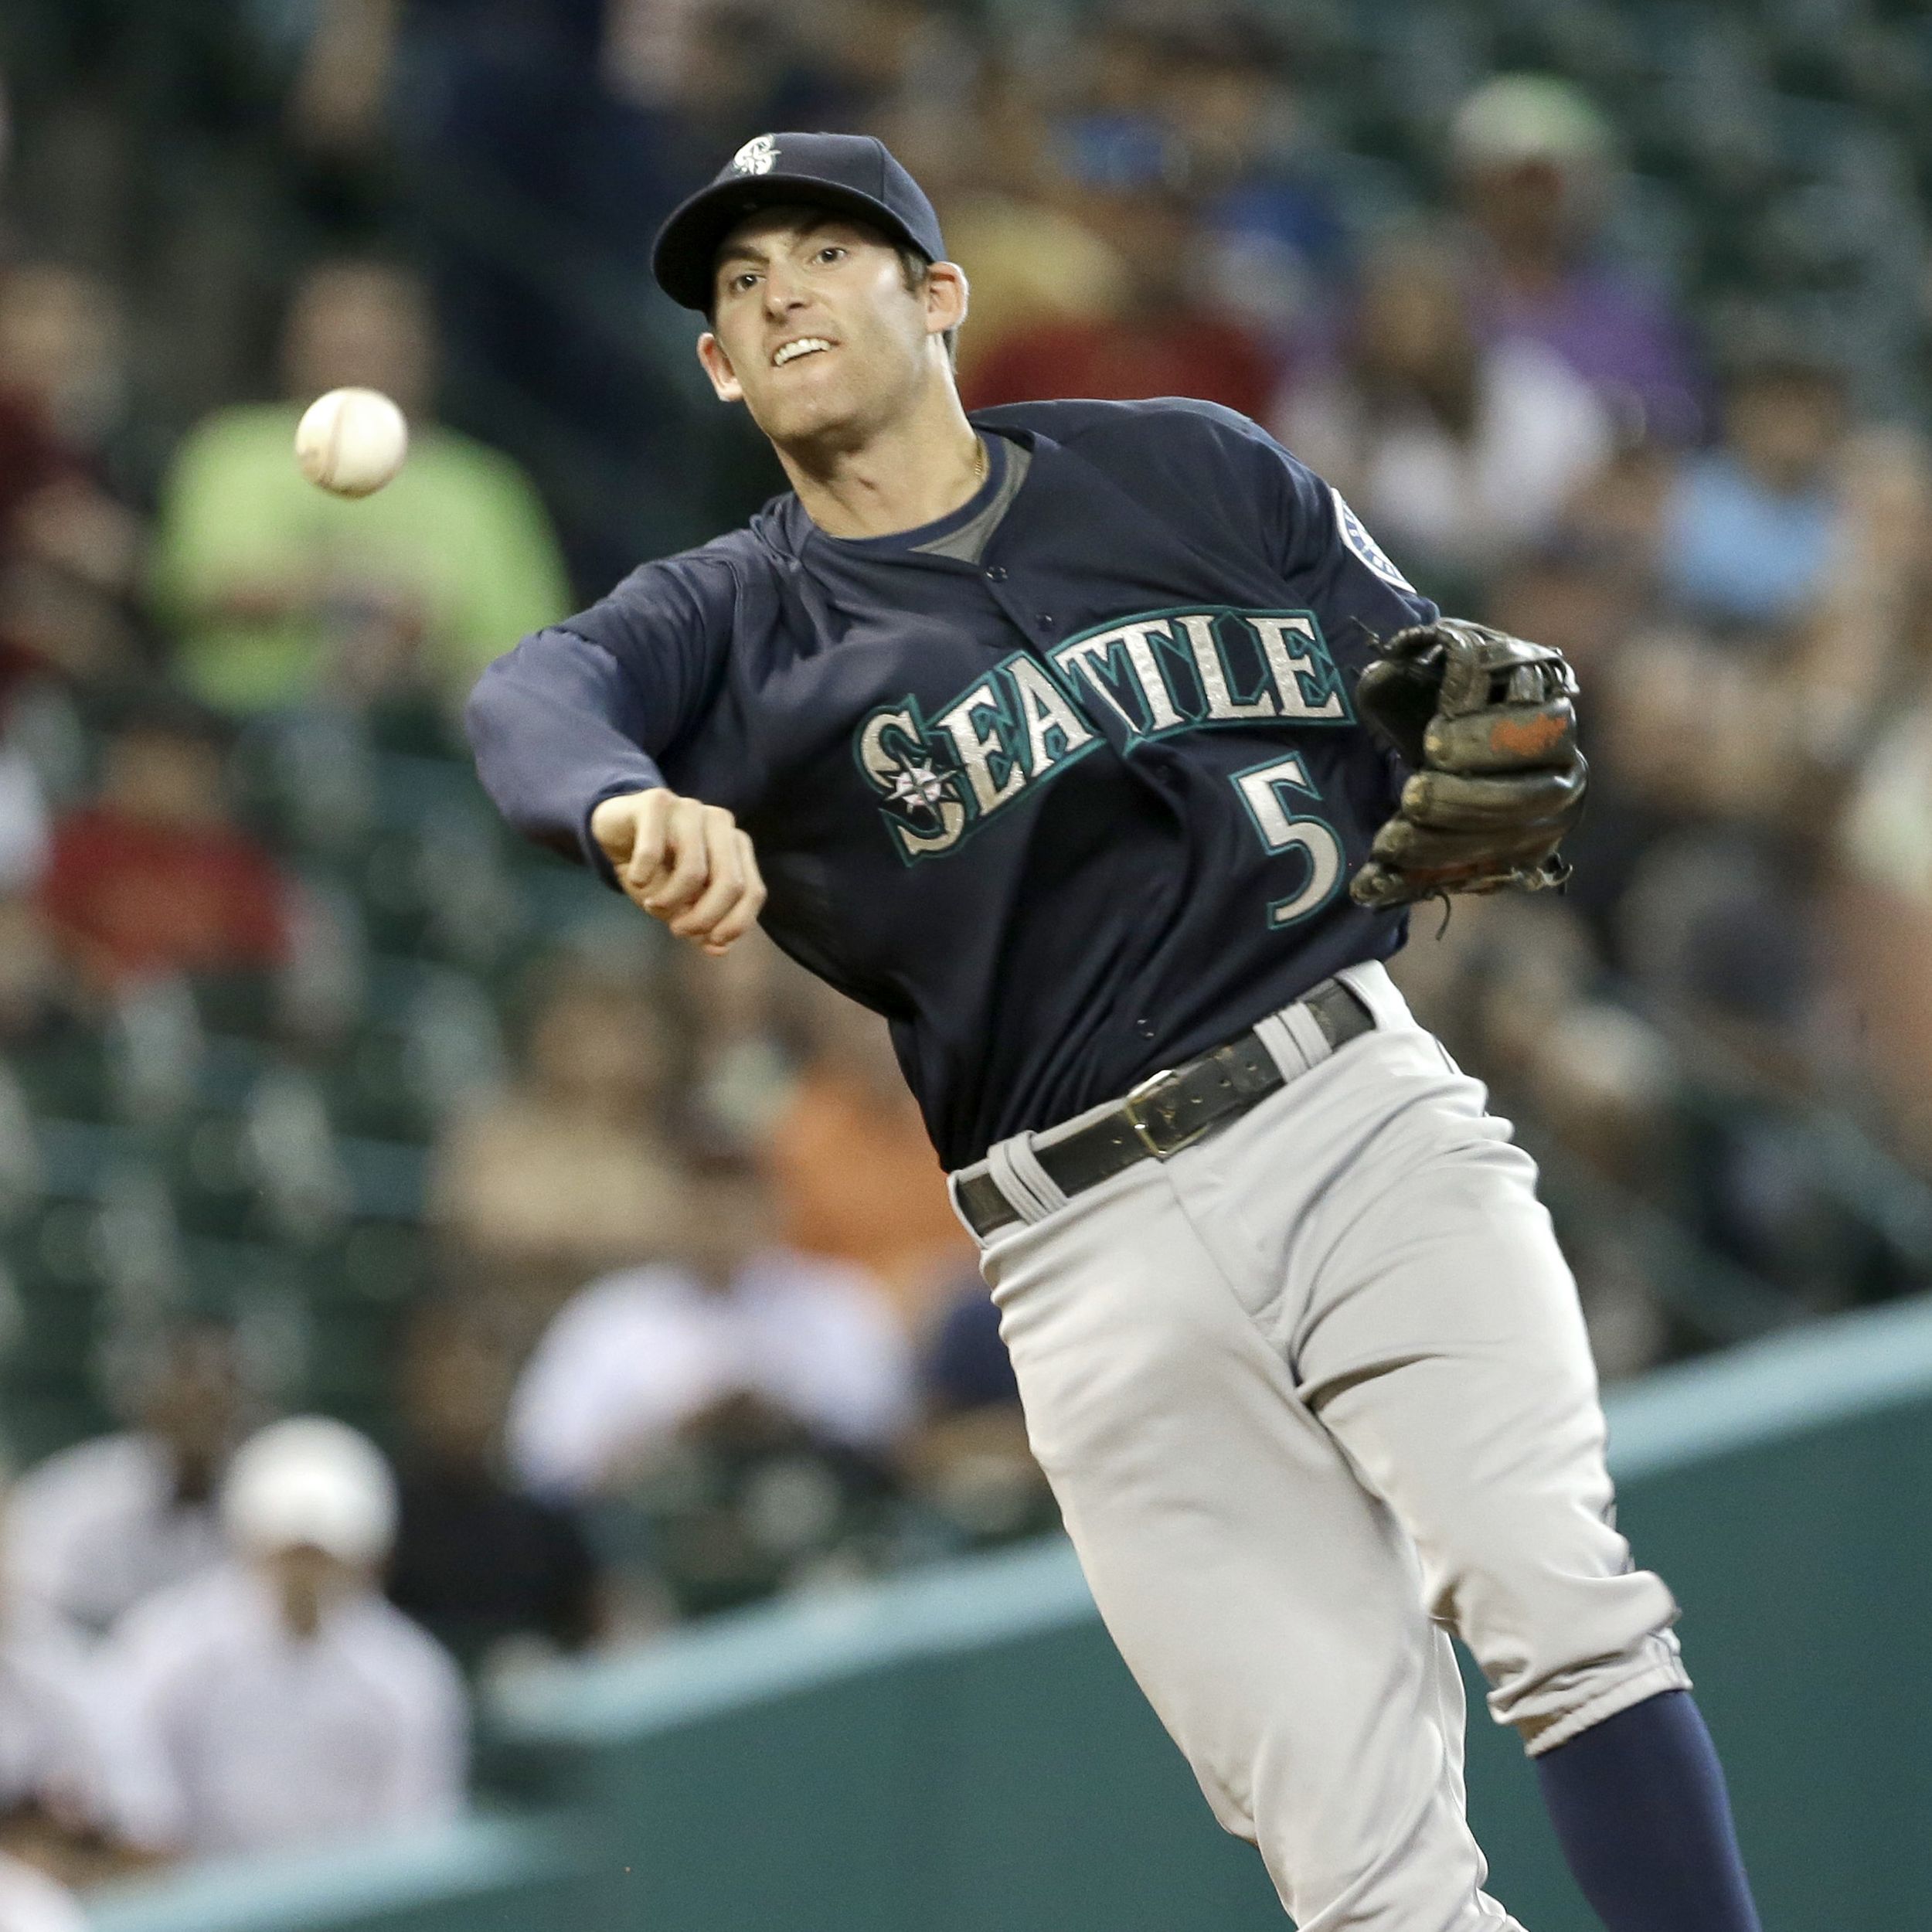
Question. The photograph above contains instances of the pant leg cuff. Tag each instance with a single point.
(1666, 1675)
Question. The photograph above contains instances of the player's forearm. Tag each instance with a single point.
(551, 729)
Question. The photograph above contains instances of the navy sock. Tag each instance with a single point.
(1640, 1808)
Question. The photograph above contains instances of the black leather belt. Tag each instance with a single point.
(1166, 1112)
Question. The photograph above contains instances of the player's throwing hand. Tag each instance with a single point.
(685, 863)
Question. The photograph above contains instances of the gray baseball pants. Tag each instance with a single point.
(1313, 1394)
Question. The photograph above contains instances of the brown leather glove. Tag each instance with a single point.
(1485, 723)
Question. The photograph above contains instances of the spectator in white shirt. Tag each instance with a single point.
(57, 1778)
(95, 1528)
(279, 1700)
(31, 1902)
(48, 1756)
(740, 1331)
(1458, 453)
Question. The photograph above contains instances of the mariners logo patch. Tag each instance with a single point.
(1355, 535)
(757, 156)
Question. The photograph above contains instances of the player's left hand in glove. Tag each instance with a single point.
(1487, 725)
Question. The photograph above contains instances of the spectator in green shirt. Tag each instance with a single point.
(281, 594)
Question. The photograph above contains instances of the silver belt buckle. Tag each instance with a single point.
(1130, 1106)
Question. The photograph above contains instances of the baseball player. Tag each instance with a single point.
(1099, 748)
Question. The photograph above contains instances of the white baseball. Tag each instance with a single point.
(351, 441)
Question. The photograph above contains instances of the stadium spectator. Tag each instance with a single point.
(1537, 169)
(57, 1765)
(154, 876)
(1160, 338)
(969, 1463)
(64, 349)
(853, 1173)
(96, 1529)
(1779, 569)
(31, 1902)
(1008, 212)
(1112, 131)
(284, 594)
(278, 1700)
(851, 64)
(1880, 908)
(1278, 239)
(35, 995)
(26, 832)
(570, 1172)
(69, 544)
(480, 1565)
(1457, 454)
(740, 1016)
(1578, 592)
(1749, 528)
(32, 462)
(1573, 593)
(737, 1339)
(50, 1056)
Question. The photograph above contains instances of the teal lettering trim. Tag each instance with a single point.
(915, 762)
(1230, 622)
(1078, 667)
(1201, 644)
(926, 756)
(1052, 695)
(981, 754)
(903, 763)
(1259, 788)
(1319, 695)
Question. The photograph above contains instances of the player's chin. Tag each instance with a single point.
(798, 414)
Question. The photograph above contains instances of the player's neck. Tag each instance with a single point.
(919, 468)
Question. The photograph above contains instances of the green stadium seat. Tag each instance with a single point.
(378, 1266)
(66, 1073)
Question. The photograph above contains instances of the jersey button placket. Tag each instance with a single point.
(1012, 599)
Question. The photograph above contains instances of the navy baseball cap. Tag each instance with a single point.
(849, 174)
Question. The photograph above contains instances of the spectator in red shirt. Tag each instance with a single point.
(153, 877)
(1163, 339)
(69, 549)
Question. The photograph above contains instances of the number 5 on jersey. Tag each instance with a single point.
(1265, 790)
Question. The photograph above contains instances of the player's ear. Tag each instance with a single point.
(945, 297)
(717, 365)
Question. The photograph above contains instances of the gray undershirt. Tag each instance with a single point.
(967, 543)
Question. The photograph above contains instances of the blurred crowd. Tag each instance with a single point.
(407, 1268)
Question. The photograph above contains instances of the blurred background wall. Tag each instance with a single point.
(318, 1097)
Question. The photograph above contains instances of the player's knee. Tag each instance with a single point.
(1556, 1639)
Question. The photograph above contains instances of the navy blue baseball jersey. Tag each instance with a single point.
(1068, 785)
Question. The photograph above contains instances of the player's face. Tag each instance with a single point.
(814, 329)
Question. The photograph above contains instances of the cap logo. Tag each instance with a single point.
(756, 157)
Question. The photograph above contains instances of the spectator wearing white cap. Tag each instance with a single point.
(279, 1700)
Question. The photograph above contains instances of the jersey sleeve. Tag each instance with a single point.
(1319, 542)
(1322, 549)
(582, 711)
